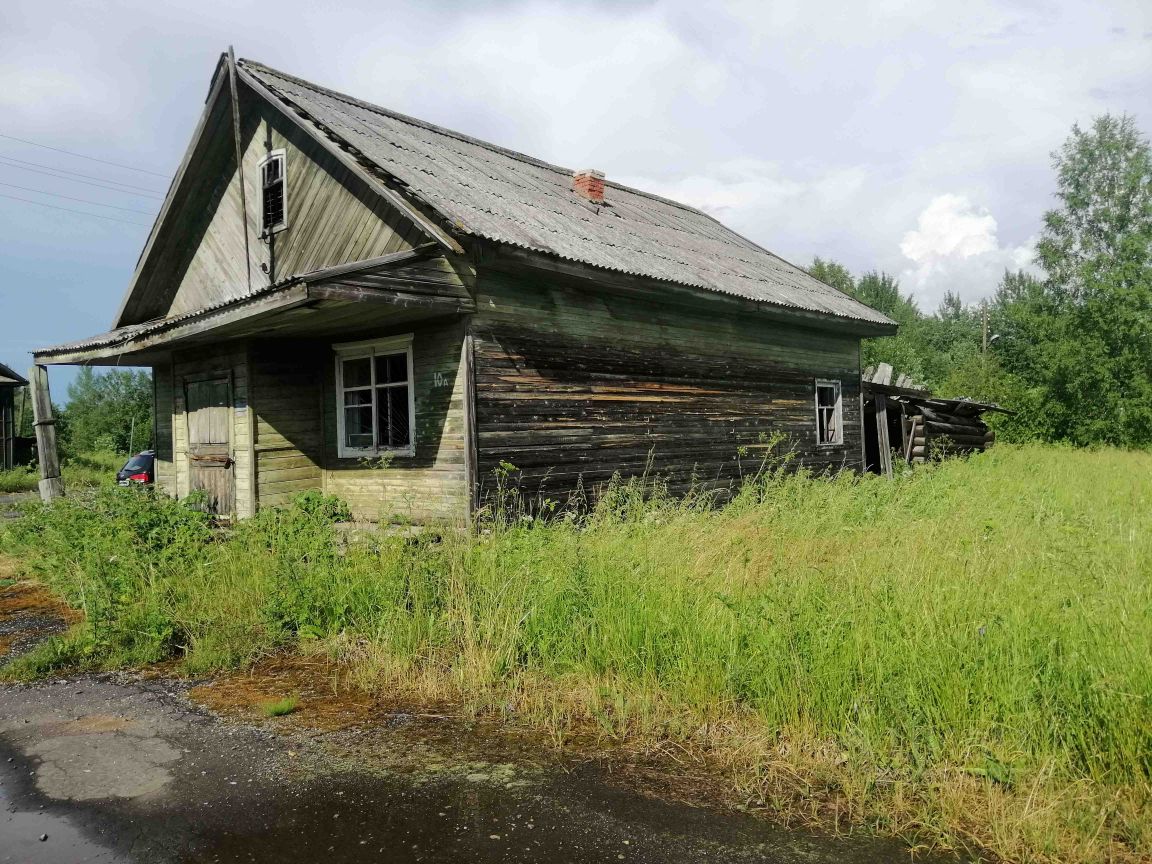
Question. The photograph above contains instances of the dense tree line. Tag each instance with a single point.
(1069, 350)
(107, 412)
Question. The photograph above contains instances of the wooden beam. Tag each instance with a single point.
(390, 297)
(277, 300)
(470, 449)
(239, 162)
(326, 273)
(51, 485)
(882, 441)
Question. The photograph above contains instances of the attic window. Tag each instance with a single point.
(273, 198)
(829, 414)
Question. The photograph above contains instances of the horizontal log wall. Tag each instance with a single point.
(575, 385)
(286, 394)
(429, 486)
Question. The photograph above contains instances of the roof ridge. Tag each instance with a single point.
(462, 136)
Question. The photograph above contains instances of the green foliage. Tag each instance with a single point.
(110, 411)
(1071, 350)
(79, 470)
(1096, 247)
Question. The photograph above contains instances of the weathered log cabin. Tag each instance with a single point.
(10, 382)
(339, 297)
(904, 421)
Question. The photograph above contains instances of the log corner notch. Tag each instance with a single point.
(51, 484)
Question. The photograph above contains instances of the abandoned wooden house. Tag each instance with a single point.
(904, 421)
(338, 297)
(10, 382)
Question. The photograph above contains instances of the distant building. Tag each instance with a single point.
(403, 310)
(10, 382)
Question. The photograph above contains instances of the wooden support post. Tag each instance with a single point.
(51, 486)
(882, 435)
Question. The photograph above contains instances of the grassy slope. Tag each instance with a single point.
(963, 654)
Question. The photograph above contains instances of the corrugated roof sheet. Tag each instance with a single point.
(507, 197)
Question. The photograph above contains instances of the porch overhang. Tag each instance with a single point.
(348, 298)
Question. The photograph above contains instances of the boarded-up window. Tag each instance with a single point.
(829, 413)
(376, 408)
(273, 199)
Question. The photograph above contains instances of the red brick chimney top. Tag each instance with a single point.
(589, 184)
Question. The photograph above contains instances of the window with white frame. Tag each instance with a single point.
(273, 196)
(829, 413)
(376, 405)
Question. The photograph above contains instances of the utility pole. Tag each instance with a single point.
(984, 328)
(51, 486)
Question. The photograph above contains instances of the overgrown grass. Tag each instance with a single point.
(81, 471)
(963, 654)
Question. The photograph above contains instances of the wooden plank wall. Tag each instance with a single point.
(573, 385)
(286, 393)
(333, 218)
(429, 486)
(227, 360)
(163, 413)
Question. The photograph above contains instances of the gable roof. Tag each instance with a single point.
(503, 196)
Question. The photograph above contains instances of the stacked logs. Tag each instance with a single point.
(937, 433)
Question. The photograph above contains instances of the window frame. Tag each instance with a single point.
(837, 411)
(280, 155)
(371, 349)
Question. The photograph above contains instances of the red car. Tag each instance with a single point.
(139, 469)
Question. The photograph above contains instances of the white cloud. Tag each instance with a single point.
(955, 248)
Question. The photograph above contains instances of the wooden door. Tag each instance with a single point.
(210, 465)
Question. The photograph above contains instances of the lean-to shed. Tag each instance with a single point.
(339, 297)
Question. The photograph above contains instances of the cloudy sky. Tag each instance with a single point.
(912, 137)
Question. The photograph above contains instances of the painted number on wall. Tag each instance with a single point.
(441, 379)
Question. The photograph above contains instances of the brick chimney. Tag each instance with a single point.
(589, 184)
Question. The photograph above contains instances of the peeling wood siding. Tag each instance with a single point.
(332, 218)
(286, 389)
(230, 362)
(164, 422)
(575, 385)
(429, 486)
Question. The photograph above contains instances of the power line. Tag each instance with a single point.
(82, 156)
(70, 210)
(70, 198)
(53, 174)
(45, 169)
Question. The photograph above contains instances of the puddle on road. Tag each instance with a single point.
(20, 843)
(352, 818)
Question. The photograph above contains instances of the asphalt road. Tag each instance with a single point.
(111, 770)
